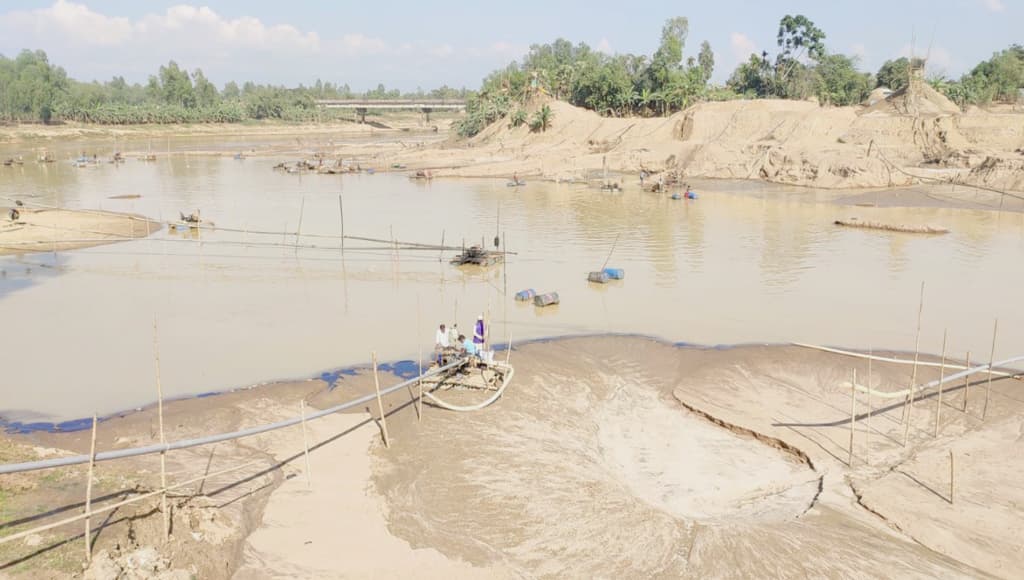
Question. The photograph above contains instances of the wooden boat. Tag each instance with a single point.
(902, 228)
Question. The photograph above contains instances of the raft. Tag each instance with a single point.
(906, 229)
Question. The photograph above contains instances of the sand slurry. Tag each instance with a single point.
(608, 456)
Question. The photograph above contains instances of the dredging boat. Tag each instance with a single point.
(477, 256)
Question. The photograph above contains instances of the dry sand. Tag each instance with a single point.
(894, 143)
(608, 456)
(52, 230)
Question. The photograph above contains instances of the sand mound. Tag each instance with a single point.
(895, 140)
(921, 100)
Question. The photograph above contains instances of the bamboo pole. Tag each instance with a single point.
(380, 404)
(114, 506)
(952, 487)
(341, 216)
(991, 359)
(867, 443)
(163, 438)
(508, 352)
(853, 415)
(298, 230)
(88, 493)
(440, 256)
(967, 381)
(909, 406)
(305, 441)
(419, 343)
(942, 375)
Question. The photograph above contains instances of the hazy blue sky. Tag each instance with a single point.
(430, 43)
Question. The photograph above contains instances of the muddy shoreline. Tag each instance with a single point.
(732, 390)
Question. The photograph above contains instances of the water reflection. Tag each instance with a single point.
(732, 266)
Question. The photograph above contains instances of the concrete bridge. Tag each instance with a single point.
(425, 106)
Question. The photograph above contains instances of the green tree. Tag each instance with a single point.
(798, 37)
(706, 61)
(542, 119)
(894, 74)
(231, 91)
(176, 86)
(839, 81)
(205, 93)
(668, 58)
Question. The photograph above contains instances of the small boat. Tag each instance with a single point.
(148, 157)
(190, 221)
(516, 183)
(422, 175)
(46, 158)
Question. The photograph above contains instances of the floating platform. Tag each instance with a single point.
(477, 256)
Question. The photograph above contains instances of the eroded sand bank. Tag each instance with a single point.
(607, 456)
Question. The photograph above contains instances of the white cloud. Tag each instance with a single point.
(742, 46)
(70, 21)
(91, 44)
(993, 5)
(184, 25)
(604, 46)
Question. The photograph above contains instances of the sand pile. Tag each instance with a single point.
(896, 141)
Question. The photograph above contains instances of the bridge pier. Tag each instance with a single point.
(427, 111)
(361, 111)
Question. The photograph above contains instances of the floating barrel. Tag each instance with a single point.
(527, 294)
(615, 273)
(676, 196)
(599, 277)
(545, 299)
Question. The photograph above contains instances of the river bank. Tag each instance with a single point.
(375, 510)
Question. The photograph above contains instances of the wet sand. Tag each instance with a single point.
(59, 230)
(619, 454)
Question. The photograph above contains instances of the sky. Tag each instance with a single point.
(419, 44)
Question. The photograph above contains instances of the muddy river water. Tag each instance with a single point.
(235, 307)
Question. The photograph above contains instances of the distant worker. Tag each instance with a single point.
(453, 335)
(441, 338)
(478, 332)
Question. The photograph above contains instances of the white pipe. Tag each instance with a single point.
(478, 406)
(891, 360)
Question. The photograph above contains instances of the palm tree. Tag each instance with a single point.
(542, 119)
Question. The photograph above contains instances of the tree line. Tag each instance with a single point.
(34, 90)
(802, 67)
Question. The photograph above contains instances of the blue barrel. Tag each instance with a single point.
(524, 295)
(615, 273)
(548, 299)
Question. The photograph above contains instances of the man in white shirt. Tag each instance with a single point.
(441, 338)
(441, 343)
